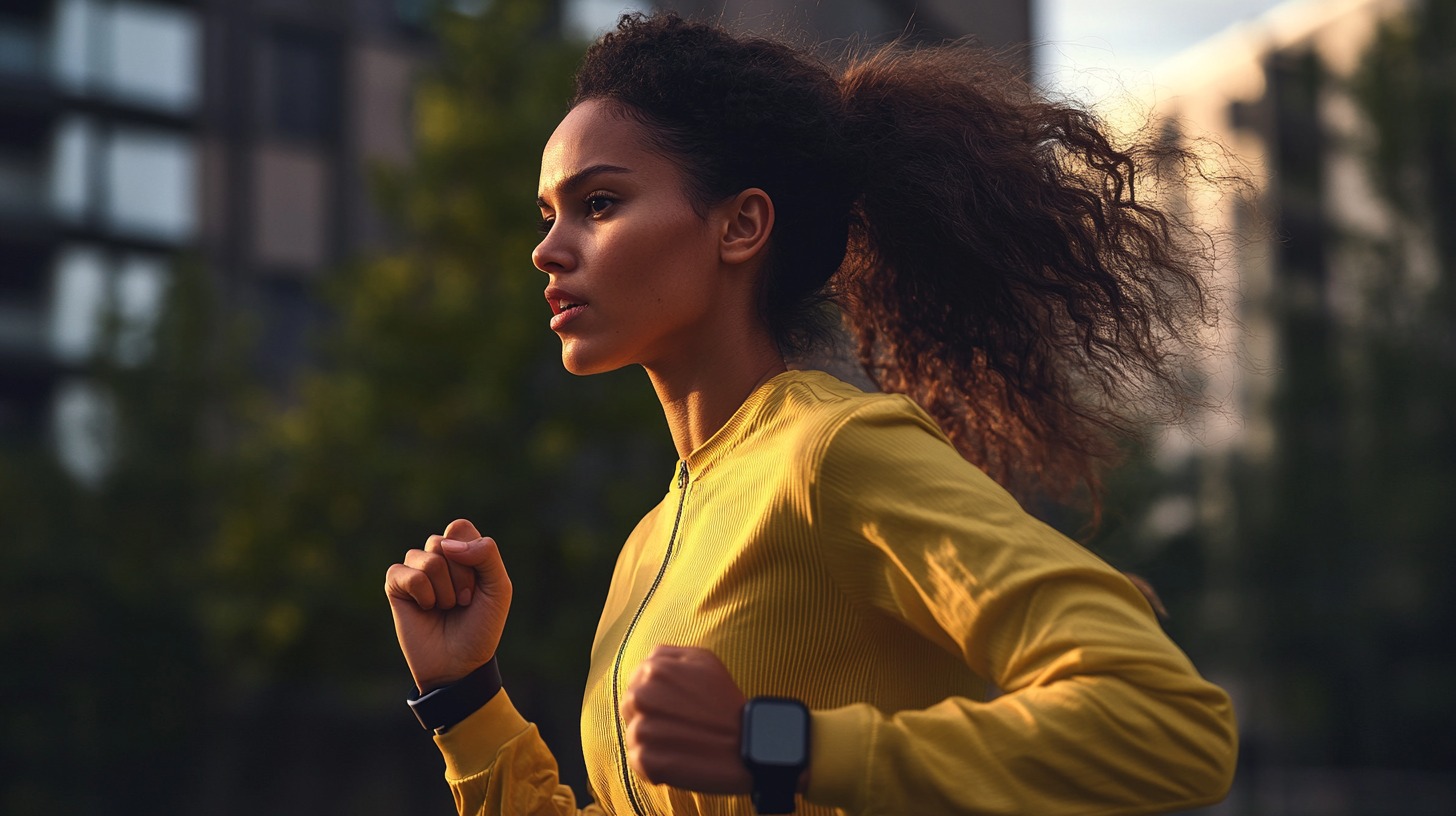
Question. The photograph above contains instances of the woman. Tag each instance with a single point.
(832, 608)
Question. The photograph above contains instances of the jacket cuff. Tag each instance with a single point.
(471, 745)
(842, 742)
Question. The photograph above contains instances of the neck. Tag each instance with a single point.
(700, 398)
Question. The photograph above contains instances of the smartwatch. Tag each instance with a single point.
(775, 749)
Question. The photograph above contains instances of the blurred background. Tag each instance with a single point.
(268, 319)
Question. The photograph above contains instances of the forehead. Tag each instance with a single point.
(594, 133)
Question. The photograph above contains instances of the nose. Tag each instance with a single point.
(553, 254)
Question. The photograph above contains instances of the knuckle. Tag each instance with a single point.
(435, 565)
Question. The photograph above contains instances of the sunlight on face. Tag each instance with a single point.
(632, 266)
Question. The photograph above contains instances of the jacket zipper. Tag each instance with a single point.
(682, 484)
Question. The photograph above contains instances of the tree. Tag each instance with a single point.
(441, 395)
(204, 629)
(1349, 530)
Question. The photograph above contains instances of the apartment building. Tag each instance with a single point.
(139, 134)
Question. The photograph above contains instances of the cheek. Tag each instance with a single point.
(672, 267)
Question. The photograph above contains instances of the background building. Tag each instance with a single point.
(135, 134)
(240, 136)
(1313, 491)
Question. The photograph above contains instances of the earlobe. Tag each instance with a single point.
(748, 220)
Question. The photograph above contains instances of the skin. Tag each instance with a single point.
(673, 291)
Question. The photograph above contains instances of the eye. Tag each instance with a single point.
(597, 204)
(544, 225)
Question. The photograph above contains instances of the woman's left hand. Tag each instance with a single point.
(683, 715)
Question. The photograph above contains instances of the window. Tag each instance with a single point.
(154, 56)
(78, 303)
(151, 178)
(140, 53)
(75, 52)
(141, 288)
(72, 171)
(85, 430)
(90, 288)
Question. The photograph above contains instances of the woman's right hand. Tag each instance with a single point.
(449, 601)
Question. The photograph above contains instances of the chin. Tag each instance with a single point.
(575, 361)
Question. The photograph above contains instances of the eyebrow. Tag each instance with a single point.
(580, 176)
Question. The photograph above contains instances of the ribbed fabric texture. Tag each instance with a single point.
(831, 546)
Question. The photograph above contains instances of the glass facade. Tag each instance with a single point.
(141, 54)
(141, 285)
(78, 302)
(149, 178)
(99, 175)
(72, 168)
(154, 56)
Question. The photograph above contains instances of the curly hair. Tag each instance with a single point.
(987, 246)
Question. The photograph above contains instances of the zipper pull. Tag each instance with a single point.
(682, 476)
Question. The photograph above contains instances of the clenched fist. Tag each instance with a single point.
(683, 715)
(449, 602)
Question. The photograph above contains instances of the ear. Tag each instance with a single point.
(747, 221)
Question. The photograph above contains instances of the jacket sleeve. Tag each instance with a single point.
(1099, 712)
(497, 763)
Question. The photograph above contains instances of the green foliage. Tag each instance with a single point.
(441, 392)
(205, 628)
(442, 395)
(1350, 529)
(106, 581)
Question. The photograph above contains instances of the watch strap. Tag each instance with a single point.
(774, 788)
(445, 706)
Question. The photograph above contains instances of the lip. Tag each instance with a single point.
(560, 317)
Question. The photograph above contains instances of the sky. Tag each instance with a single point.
(1092, 48)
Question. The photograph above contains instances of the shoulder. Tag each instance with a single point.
(864, 452)
(817, 411)
(846, 443)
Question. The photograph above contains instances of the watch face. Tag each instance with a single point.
(776, 733)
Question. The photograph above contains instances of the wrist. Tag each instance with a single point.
(775, 749)
(446, 704)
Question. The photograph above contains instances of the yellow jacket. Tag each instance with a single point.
(958, 655)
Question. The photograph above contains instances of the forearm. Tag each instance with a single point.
(1084, 745)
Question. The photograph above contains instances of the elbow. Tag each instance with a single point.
(1226, 738)
(1212, 749)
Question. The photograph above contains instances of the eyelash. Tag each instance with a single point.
(544, 225)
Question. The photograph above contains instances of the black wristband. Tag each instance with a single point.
(442, 708)
(774, 789)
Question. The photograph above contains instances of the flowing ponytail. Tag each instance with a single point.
(1002, 270)
(988, 248)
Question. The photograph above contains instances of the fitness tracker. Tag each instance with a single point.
(775, 749)
(445, 706)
